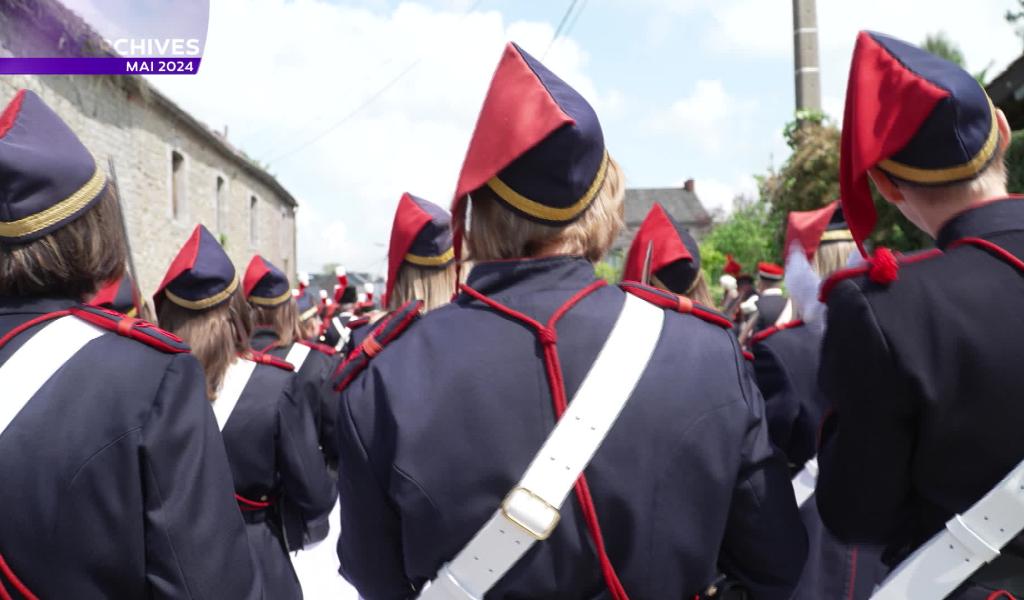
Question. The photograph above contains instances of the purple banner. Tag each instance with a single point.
(104, 65)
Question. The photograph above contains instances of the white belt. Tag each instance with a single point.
(805, 481)
(297, 355)
(968, 542)
(530, 512)
(235, 379)
(38, 360)
(343, 333)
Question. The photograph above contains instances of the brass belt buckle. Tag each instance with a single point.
(531, 513)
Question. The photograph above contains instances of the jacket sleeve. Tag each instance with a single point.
(370, 546)
(863, 490)
(765, 544)
(781, 406)
(196, 544)
(308, 490)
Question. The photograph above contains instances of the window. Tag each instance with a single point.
(178, 185)
(254, 221)
(218, 204)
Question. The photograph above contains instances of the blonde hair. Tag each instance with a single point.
(990, 181)
(218, 335)
(283, 319)
(698, 291)
(497, 233)
(433, 286)
(832, 257)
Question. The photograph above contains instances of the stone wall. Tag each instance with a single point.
(139, 132)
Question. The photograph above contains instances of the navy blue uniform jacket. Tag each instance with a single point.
(445, 420)
(786, 368)
(115, 483)
(310, 385)
(925, 377)
(274, 456)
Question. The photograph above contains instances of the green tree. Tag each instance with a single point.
(748, 234)
(1016, 19)
(608, 272)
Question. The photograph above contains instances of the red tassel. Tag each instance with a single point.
(885, 269)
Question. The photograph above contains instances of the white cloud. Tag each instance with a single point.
(281, 72)
(705, 117)
(716, 194)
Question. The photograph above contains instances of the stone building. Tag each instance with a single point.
(680, 202)
(172, 171)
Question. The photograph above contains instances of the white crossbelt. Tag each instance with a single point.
(805, 481)
(297, 355)
(343, 333)
(38, 359)
(235, 380)
(967, 543)
(530, 512)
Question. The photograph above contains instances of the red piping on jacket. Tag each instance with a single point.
(18, 585)
(548, 337)
(10, 335)
(248, 505)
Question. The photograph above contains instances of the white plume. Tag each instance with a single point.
(803, 284)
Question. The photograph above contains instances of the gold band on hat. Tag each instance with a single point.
(548, 213)
(205, 303)
(431, 261)
(58, 212)
(271, 301)
(949, 174)
(309, 314)
(837, 235)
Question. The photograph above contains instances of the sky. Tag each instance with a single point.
(353, 103)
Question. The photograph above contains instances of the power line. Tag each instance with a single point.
(575, 17)
(561, 25)
(365, 103)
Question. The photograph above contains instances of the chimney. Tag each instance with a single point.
(690, 186)
(805, 55)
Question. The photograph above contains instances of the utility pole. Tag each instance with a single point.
(805, 55)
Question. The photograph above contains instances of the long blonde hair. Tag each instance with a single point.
(832, 257)
(433, 286)
(497, 233)
(218, 335)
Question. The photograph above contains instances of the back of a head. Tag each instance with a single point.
(62, 236)
(270, 297)
(421, 255)
(200, 300)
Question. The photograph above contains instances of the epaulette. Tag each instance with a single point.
(883, 268)
(386, 331)
(677, 303)
(319, 347)
(269, 359)
(764, 334)
(357, 323)
(129, 327)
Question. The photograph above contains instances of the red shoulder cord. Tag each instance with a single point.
(1000, 252)
(5, 570)
(548, 338)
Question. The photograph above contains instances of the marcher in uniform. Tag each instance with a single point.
(786, 367)
(309, 316)
(268, 431)
(921, 357)
(421, 261)
(113, 479)
(675, 257)
(445, 418)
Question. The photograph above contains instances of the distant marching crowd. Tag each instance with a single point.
(509, 425)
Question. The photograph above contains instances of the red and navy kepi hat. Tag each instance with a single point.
(731, 266)
(264, 284)
(49, 178)
(421, 236)
(812, 228)
(915, 116)
(537, 145)
(769, 271)
(201, 276)
(120, 295)
(675, 256)
(306, 305)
